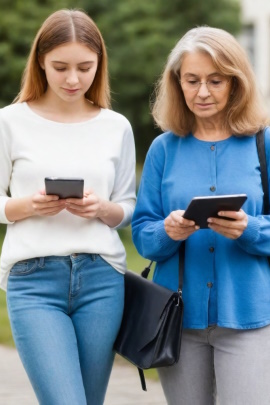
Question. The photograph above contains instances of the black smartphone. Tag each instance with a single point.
(64, 187)
(202, 208)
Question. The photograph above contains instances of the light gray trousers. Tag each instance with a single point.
(235, 364)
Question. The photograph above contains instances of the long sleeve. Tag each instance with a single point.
(6, 169)
(149, 235)
(255, 239)
(125, 178)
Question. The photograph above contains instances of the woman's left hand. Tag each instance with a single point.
(229, 229)
(90, 206)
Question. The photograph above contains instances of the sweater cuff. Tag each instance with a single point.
(128, 211)
(3, 218)
(162, 238)
(251, 233)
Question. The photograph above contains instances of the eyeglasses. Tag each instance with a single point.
(212, 85)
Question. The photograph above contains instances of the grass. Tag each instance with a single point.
(134, 262)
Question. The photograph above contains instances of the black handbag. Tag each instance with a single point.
(150, 333)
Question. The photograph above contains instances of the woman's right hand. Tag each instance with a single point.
(39, 204)
(47, 205)
(177, 227)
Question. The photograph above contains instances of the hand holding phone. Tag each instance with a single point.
(202, 208)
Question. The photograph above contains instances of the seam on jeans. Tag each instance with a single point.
(214, 381)
(74, 287)
(69, 293)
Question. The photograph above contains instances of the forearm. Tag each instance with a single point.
(18, 208)
(111, 213)
(152, 241)
(255, 238)
(39, 204)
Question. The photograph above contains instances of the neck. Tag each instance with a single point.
(50, 102)
(58, 110)
(210, 130)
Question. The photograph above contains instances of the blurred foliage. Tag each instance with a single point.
(139, 35)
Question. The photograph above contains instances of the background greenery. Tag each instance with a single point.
(139, 35)
(5, 332)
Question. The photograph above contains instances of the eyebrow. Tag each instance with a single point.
(81, 63)
(211, 74)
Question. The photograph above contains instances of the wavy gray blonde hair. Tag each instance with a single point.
(245, 112)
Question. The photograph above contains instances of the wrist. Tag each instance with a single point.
(18, 208)
(104, 209)
(27, 207)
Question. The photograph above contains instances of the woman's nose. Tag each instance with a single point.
(203, 90)
(72, 78)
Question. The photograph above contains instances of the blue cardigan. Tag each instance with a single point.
(226, 282)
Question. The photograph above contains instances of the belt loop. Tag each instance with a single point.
(93, 256)
(41, 261)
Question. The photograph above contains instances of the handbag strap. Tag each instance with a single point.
(260, 142)
(263, 165)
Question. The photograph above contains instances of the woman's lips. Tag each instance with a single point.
(204, 105)
(71, 91)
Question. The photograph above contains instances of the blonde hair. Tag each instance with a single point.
(59, 28)
(245, 112)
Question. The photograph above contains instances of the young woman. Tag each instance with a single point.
(62, 260)
(208, 103)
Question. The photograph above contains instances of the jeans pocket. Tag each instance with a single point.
(24, 267)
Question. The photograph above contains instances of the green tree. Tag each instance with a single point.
(19, 22)
(139, 35)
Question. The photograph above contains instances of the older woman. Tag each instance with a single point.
(208, 103)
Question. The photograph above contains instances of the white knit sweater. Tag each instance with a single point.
(100, 150)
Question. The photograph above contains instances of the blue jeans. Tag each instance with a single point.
(65, 312)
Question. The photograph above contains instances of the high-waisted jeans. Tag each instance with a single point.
(65, 312)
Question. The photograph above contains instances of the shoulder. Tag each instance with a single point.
(9, 112)
(165, 142)
(163, 149)
(115, 117)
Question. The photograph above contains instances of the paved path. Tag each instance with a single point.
(124, 387)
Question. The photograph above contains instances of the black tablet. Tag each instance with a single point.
(64, 187)
(202, 208)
